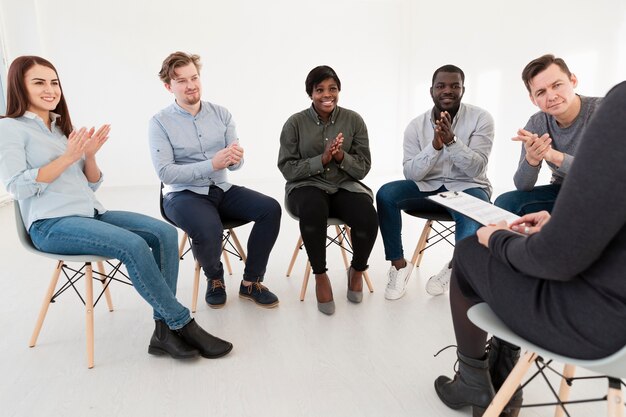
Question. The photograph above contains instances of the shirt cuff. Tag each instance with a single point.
(315, 165)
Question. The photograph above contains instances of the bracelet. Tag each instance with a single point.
(452, 142)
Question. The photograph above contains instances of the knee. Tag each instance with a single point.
(134, 247)
(168, 233)
(206, 235)
(386, 195)
(273, 209)
(462, 248)
(508, 201)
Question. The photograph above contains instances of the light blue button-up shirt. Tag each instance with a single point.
(182, 147)
(461, 165)
(26, 144)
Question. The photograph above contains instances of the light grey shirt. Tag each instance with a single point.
(459, 166)
(182, 147)
(26, 145)
(564, 140)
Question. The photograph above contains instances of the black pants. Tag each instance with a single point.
(314, 206)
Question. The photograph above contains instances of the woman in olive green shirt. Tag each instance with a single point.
(324, 153)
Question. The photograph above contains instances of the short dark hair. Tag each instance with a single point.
(319, 74)
(449, 68)
(17, 95)
(176, 60)
(538, 65)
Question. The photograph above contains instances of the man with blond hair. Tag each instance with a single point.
(193, 145)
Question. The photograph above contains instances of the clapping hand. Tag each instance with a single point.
(537, 147)
(333, 150)
(230, 155)
(96, 140)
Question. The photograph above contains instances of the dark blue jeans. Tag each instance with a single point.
(199, 216)
(526, 202)
(404, 195)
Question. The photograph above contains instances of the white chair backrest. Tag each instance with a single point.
(482, 316)
(22, 233)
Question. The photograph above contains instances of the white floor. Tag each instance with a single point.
(372, 359)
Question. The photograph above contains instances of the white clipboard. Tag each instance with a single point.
(483, 212)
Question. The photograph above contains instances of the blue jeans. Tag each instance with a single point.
(526, 202)
(200, 217)
(396, 196)
(146, 246)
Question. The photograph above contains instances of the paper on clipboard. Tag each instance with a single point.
(483, 212)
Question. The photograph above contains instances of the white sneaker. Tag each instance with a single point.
(396, 286)
(439, 283)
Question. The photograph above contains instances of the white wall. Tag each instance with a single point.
(257, 54)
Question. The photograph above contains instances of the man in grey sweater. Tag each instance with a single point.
(551, 135)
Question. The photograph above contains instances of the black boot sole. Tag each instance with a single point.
(157, 351)
(219, 355)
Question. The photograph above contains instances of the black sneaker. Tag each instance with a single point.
(258, 293)
(215, 293)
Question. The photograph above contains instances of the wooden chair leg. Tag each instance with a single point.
(181, 247)
(242, 253)
(343, 249)
(105, 281)
(89, 313)
(196, 285)
(305, 281)
(615, 399)
(45, 304)
(505, 393)
(367, 281)
(421, 244)
(294, 256)
(564, 390)
(227, 262)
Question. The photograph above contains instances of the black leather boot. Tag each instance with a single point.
(208, 345)
(471, 386)
(167, 341)
(503, 357)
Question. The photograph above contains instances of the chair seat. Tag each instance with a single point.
(440, 216)
(483, 316)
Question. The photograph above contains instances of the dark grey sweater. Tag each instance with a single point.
(581, 252)
(564, 139)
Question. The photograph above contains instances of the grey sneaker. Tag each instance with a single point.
(397, 280)
(439, 283)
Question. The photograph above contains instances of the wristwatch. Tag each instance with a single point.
(452, 142)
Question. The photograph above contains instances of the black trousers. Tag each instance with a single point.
(314, 206)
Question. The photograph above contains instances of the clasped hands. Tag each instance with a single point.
(230, 155)
(526, 225)
(443, 131)
(86, 142)
(333, 150)
(538, 148)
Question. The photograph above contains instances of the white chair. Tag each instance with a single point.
(613, 366)
(341, 239)
(72, 276)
